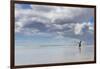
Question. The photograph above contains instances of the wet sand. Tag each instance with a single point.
(52, 54)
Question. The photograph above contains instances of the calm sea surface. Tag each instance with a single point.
(52, 54)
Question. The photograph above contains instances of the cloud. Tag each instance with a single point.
(55, 21)
(78, 29)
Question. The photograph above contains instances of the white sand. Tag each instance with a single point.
(54, 54)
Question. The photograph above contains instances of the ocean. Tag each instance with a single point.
(52, 54)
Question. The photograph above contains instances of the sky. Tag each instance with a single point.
(53, 25)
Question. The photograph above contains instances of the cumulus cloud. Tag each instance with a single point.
(78, 28)
(56, 21)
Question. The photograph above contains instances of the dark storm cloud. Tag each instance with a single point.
(37, 25)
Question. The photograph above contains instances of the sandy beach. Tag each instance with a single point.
(52, 54)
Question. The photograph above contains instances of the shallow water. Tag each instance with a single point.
(55, 54)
